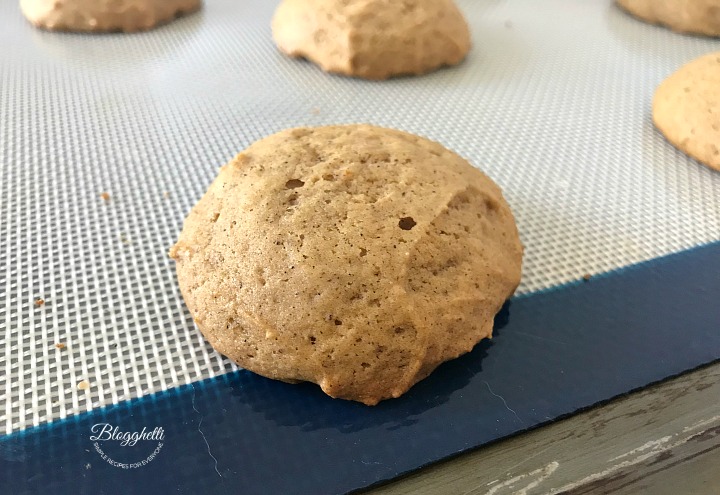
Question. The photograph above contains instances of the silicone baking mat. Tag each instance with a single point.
(553, 103)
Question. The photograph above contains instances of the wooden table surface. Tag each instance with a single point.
(662, 440)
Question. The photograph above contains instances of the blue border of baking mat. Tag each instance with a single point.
(554, 352)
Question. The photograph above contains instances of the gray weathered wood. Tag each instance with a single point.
(662, 440)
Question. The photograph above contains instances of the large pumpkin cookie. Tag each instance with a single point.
(355, 257)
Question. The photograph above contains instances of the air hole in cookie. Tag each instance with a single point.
(328, 177)
(338, 322)
(292, 199)
(407, 223)
(312, 339)
(363, 252)
(365, 365)
(215, 217)
(399, 330)
(294, 184)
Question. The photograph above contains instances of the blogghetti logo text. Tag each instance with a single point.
(126, 449)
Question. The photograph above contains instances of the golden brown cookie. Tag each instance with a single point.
(373, 39)
(686, 109)
(685, 16)
(355, 257)
(104, 15)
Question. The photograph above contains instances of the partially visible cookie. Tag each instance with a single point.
(104, 15)
(355, 257)
(373, 39)
(685, 16)
(686, 109)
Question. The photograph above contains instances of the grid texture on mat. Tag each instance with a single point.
(553, 103)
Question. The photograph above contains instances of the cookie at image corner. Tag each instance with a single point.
(686, 109)
(104, 15)
(355, 257)
(684, 16)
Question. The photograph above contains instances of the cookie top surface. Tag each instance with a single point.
(104, 15)
(373, 39)
(686, 109)
(685, 16)
(355, 257)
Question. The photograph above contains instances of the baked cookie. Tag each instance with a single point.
(685, 16)
(355, 257)
(104, 15)
(373, 39)
(686, 109)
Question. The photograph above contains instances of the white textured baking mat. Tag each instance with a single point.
(553, 103)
